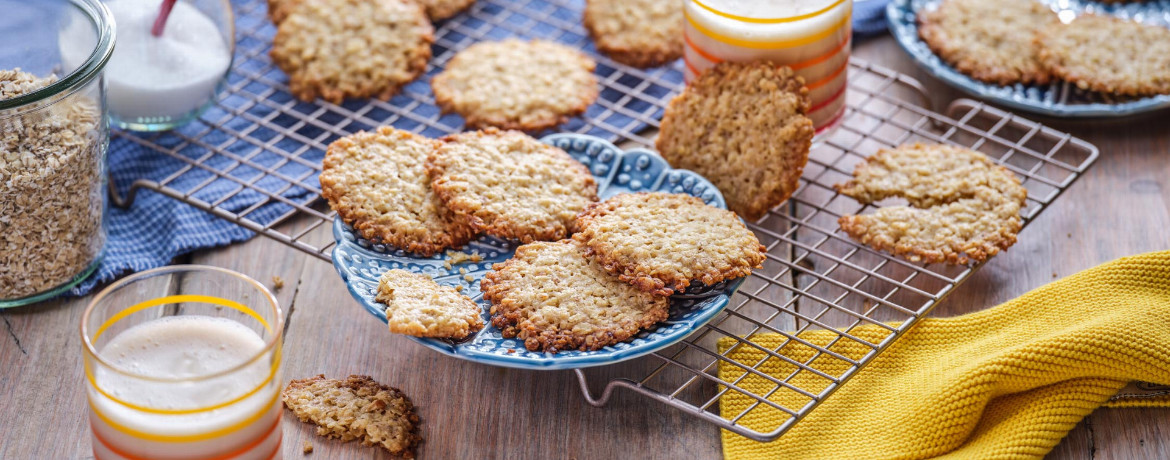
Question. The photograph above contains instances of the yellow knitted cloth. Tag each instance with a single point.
(1008, 382)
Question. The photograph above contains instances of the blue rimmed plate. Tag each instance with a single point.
(360, 264)
(1061, 99)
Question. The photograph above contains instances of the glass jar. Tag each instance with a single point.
(53, 141)
(813, 37)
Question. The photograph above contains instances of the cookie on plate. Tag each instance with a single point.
(962, 206)
(989, 40)
(640, 33)
(515, 84)
(509, 185)
(1108, 55)
(338, 49)
(416, 305)
(662, 242)
(357, 408)
(553, 298)
(377, 183)
(743, 127)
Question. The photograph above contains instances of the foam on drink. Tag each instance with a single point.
(185, 347)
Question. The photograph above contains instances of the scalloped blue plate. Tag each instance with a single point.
(1057, 99)
(360, 264)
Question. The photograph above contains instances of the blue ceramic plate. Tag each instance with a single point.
(360, 264)
(1058, 99)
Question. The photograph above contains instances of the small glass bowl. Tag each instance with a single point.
(143, 96)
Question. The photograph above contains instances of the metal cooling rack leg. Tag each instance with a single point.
(128, 200)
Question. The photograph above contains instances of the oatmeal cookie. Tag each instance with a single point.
(989, 40)
(743, 127)
(1108, 55)
(356, 408)
(514, 84)
(553, 298)
(416, 305)
(279, 9)
(962, 206)
(338, 49)
(661, 242)
(438, 10)
(640, 33)
(509, 185)
(377, 183)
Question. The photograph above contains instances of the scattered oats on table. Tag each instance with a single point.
(307, 447)
(51, 189)
(277, 283)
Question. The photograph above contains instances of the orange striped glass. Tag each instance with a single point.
(811, 36)
(184, 363)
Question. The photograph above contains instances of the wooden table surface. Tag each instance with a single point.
(1121, 207)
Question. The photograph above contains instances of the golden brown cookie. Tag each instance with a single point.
(743, 127)
(416, 305)
(357, 408)
(442, 9)
(279, 9)
(377, 183)
(640, 33)
(509, 185)
(338, 49)
(661, 242)
(553, 298)
(989, 40)
(962, 206)
(514, 84)
(1108, 55)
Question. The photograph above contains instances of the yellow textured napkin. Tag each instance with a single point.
(1007, 382)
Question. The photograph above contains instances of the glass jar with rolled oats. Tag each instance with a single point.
(53, 139)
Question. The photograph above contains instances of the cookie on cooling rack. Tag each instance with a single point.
(553, 298)
(438, 10)
(989, 40)
(662, 242)
(640, 33)
(357, 408)
(416, 305)
(338, 49)
(743, 127)
(377, 183)
(515, 84)
(279, 9)
(962, 206)
(1108, 55)
(509, 185)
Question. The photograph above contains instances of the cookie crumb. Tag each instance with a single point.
(468, 278)
(458, 257)
(307, 447)
(1054, 275)
(277, 283)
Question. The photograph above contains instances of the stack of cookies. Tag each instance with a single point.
(611, 279)
(1006, 42)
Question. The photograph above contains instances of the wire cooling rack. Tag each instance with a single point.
(260, 143)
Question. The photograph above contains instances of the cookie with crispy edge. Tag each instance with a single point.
(514, 84)
(962, 206)
(1109, 55)
(377, 183)
(357, 408)
(339, 49)
(436, 10)
(662, 242)
(640, 33)
(510, 185)
(553, 298)
(989, 40)
(416, 305)
(743, 127)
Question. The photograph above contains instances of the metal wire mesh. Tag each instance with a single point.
(264, 144)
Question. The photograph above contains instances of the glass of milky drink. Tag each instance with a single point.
(183, 362)
(158, 82)
(810, 36)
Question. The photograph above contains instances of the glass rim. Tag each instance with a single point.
(103, 21)
(269, 344)
(770, 20)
